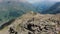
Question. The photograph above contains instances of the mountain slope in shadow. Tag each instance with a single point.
(55, 9)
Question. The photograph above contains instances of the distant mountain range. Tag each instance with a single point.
(11, 9)
(53, 9)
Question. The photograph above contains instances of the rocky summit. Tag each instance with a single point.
(34, 23)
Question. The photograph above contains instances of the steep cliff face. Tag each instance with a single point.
(34, 23)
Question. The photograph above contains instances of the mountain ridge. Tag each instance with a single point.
(53, 9)
(20, 25)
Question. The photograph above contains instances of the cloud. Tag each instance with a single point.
(31, 1)
(1, 0)
(55, 0)
(22, 0)
(34, 1)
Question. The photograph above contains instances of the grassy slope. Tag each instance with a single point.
(12, 10)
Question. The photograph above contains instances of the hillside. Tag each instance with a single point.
(34, 23)
(55, 9)
(11, 9)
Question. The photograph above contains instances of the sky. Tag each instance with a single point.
(32, 1)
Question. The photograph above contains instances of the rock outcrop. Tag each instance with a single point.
(34, 23)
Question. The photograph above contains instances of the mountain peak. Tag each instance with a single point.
(55, 9)
(58, 3)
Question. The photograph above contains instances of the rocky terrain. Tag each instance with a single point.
(34, 23)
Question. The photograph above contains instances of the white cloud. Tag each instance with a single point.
(31, 1)
(34, 1)
(55, 0)
(1, 0)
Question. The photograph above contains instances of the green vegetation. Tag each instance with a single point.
(12, 10)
